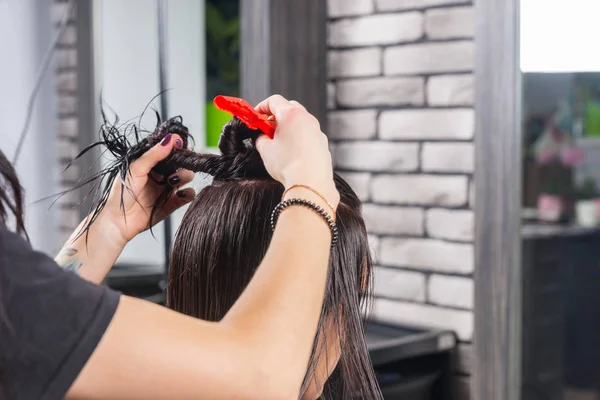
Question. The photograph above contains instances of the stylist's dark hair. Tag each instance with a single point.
(225, 235)
(11, 204)
(11, 196)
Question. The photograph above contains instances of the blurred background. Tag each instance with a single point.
(561, 172)
(393, 85)
(391, 82)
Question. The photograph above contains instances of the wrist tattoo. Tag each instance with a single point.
(70, 263)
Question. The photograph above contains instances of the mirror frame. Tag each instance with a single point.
(498, 272)
(273, 61)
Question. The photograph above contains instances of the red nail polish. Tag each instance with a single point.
(178, 143)
(166, 140)
(181, 194)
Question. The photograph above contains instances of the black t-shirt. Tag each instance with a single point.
(51, 321)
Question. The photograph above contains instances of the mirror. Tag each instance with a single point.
(561, 201)
(197, 59)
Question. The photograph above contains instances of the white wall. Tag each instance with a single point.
(25, 35)
(559, 35)
(126, 63)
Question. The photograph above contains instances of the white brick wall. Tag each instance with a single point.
(386, 220)
(66, 82)
(395, 5)
(66, 58)
(451, 90)
(398, 312)
(69, 200)
(427, 255)
(429, 58)
(354, 63)
(457, 225)
(448, 157)
(376, 30)
(330, 95)
(359, 124)
(69, 37)
(455, 124)
(398, 284)
(360, 182)
(449, 23)
(67, 105)
(58, 12)
(431, 190)
(381, 91)
(68, 122)
(68, 127)
(403, 81)
(374, 247)
(67, 150)
(377, 156)
(472, 194)
(72, 174)
(332, 146)
(346, 8)
(453, 291)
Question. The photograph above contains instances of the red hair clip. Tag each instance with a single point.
(246, 113)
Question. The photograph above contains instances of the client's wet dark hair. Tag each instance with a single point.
(225, 234)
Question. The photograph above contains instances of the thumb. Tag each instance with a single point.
(263, 143)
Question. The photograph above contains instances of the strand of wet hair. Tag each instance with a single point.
(124, 142)
(239, 160)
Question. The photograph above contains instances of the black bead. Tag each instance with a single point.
(318, 209)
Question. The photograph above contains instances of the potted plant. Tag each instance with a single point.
(550, 204)
(586, 207)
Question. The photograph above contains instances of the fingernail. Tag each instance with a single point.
(174, 180)
(181, 194)
(178, 143)
(166, 140)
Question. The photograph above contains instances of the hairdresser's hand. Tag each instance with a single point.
(141, 192)
(299, 152)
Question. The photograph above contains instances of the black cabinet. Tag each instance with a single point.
(561, 314)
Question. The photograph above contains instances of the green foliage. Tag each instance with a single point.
(222, 51)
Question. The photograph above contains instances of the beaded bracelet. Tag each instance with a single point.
(312, 190)
(286, 203)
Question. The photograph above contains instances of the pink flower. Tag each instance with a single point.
(572, 156)
(545, 157)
